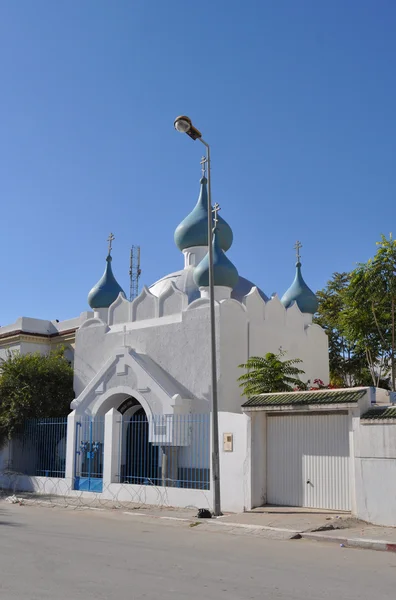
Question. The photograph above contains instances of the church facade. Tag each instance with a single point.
(151, 357)
(142, 370)
(159, 343)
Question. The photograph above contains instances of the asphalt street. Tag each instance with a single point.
(62, 554)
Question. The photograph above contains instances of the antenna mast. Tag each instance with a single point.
(134, 272)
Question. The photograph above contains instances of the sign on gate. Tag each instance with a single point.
(89, 454)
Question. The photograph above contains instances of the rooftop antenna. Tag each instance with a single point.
(134, 272)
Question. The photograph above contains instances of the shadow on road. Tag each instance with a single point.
(3, 514)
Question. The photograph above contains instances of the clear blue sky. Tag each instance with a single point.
(296, 97)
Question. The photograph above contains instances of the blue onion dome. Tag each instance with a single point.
(193, 230)
(224, 272)
(106, 290)
(300, 293)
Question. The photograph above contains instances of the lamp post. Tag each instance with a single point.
(184, 125)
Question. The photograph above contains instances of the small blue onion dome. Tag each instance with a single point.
(106, 290)
(300, 293)
(224, 272)
(193, 230)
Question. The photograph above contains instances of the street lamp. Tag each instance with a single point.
(184, 125)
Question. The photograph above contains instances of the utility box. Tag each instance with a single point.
(228, 442)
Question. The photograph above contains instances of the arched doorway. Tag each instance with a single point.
(139, 462)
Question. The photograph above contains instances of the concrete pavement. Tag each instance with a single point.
(62, 554)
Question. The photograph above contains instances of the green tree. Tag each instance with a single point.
(369, 313)
(33, 386)
(270, 373)
(347, 361)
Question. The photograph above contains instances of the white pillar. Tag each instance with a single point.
(221, 292)
(102, 314)
(70, 449)
(169, 465)
(354, 423)
(112, 448)
(194, 255)
(258, 460)
(235, 461)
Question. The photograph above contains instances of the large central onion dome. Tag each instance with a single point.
(193, 230)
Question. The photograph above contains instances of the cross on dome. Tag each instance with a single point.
(297, 246)
(110, 239)
(203, 163)
(215, 211)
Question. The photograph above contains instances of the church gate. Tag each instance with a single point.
(89, 454)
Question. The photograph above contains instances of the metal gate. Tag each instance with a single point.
(308, 461)
(89, 454)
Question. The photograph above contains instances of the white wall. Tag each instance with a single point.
(34, 347)
(375, 472)
(271, 326)
(178, 343)
(10, 348)
(235, 466)
(233, 351)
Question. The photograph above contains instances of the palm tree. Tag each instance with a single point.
(270, 374)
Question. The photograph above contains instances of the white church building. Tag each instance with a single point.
(140, 421)
(156, 348)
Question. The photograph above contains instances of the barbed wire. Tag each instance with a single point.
(22, 489)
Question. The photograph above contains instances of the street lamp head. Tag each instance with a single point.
(184, 125)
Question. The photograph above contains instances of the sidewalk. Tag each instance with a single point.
(284, 523)
(316, 525)
(280, 523)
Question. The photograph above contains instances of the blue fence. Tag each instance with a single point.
(40, 448)
(165, 450)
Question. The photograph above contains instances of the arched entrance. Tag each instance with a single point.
(139, 457)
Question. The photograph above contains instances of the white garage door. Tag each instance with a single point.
(308, 461)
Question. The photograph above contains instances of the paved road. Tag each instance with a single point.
(60, 554)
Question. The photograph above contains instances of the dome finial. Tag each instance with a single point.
(299, 292)
(107, 289)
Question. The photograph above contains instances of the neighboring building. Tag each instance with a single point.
(28, 335)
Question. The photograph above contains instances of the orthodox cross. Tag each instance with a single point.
(215, 211)
(297, 247)
(204, 160)
(110, 239)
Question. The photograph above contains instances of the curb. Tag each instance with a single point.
(292, 532)
(363, 543)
